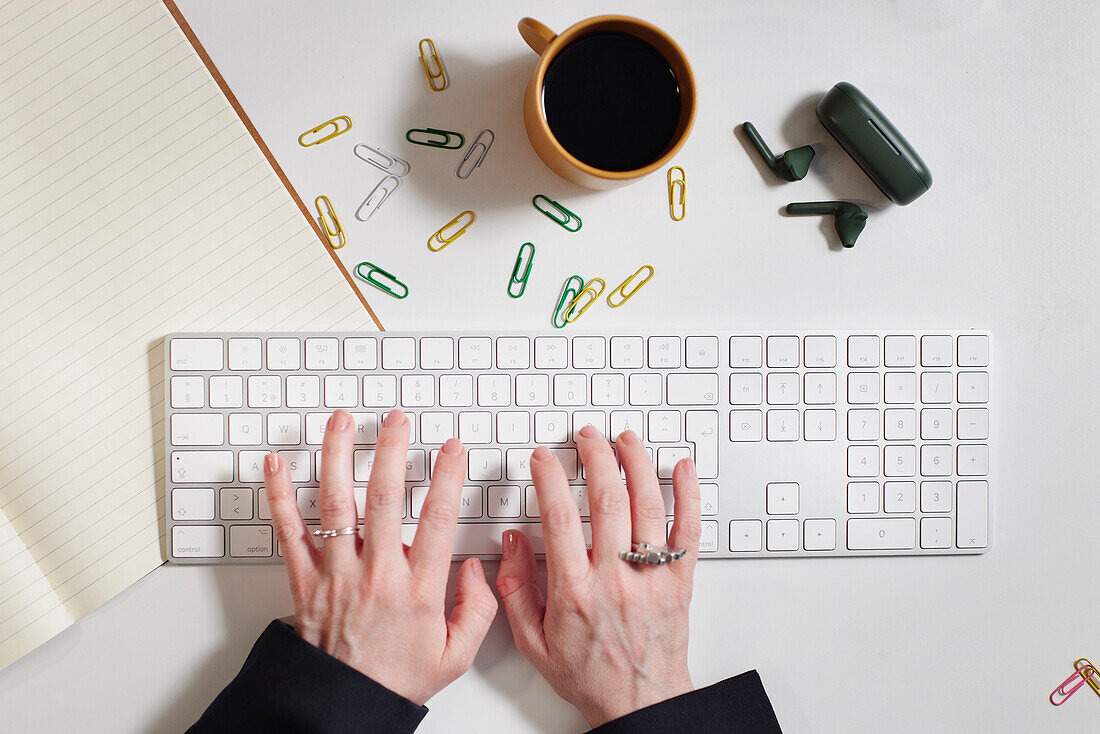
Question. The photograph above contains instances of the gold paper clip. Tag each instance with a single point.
(1094, 679)
(569, 292)
(558, 213)
(325, 211)
(446, 240)
(464, 173)
(1082, 675)
(570, 316)
(621, 290)
(382, 285)
(433, 55)
(679, 182)
(337, 129)
(377, 197)
(382, 159)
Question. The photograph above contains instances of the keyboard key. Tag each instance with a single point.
(973, 351)
(935, 387)
(570, 389)
(863, 424)
(246, 429)
(484, 538)
(746, 425)
(863, 351)
(900, 497)
(263, 509)
(514, 426)
(782, 425)
(625, 420)
(504, 500)
(782, 388)
(533, 390)
(664, 352)
(667, 458)
(819, 351)
(863, 461)
(361, 353)
(708, 499)
(588, 353)
(436, 427)
(696, 389)
(456, 391)
(475, 353)
(664, 426)
(901, 424)
(746, 351)
(265, 391)
(901, 351)
(782, 535)
(708, 539)
(702, 432)
(973, 387)
(936, 351)
(284, 354)
(322, 354)
(745, 536)
(303, 391)
(899, 461)
(935, 496)
(198, 541)
(820, 534)
(702, 352)
(284, 429)
(418, 391)
(782, 498)
(235, 503)
(551, 352)
(972, 514)
(608, 389)
(471, 502)
(250, 541)
(862, 498)
(898, 533)
(513, 353)
(245, 354)
(819, 425)
(935, 461)
(645, 389)
(935, 532)
(195, 355)
(398, 353)
(935, 424)
(594, 418)
(415, 465)
(341, 391)
(197, 429)
(552, 427)
(494, 390)
(297, 461)
(519, 466)
(782, 351)
(437, 353)
(746, 388)
(820, 388)
(901, 388)
(863, 388)
(188, 392)
(973, 423)
(627, 352)
(192, 503)
(475, 427)
(380, 391)
(226, 391)
(202, 467)
(973, 460)
(486, 465)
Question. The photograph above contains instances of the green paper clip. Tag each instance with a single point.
(517, 279)
(425, 137)
(381, 285)
(569, 293)
(563, 223)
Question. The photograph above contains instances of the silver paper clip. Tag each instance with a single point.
(377, 197)
(382, 159)
(464, 173)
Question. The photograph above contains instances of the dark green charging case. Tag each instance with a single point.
(874, 143)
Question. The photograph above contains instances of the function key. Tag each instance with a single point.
(935, 351)
(196, 355)
(475, 353)
(782, 351)
(551, 352)
(399, 353)
(664, 351)
(745, 351)
(322, 354)
(588, 353)
(284, 354)
(819, 351)
(901, 351)
(513, 353)
(437, 353)
(626, 352)
(974, 351)
(360, 353)
(863, 351)
(702, 351)
(244, 354)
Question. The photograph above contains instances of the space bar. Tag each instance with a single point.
(484, 538)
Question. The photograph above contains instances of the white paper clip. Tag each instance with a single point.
(377, 197)
(382, 159)
(464, 172)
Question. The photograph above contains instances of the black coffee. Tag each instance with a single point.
(612, 101)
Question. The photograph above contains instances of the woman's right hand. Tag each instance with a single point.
(610, 636)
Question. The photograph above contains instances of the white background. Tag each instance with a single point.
(998, 97)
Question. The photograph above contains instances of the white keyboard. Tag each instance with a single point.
(807, 444)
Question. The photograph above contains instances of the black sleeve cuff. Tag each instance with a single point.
(735, 706)
(288, 685)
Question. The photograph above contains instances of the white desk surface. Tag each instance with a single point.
(997, 97)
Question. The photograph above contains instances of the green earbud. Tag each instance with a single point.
(791, 166)
(848, 218)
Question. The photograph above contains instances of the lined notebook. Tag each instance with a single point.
(133, 203)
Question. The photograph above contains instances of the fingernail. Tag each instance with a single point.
(394, 418)
(508, 544)
(330, 422)
(630, 438)
(541, 454)
(589, 432)
(345, 420)
(689, 465)
(478, 570)
(453, 447)
(271, 463)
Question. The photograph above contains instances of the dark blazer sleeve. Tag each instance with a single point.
(288, 685)
(737, 705)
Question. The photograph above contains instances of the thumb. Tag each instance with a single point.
(523, 602)
(475, 608)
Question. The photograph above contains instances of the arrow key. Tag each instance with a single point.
(820, 535)
(745, 536)
(782, 535)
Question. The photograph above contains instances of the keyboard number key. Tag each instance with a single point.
(863, 461)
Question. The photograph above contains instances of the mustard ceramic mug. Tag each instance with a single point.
(611, 100)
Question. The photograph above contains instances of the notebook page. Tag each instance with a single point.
(133, 203)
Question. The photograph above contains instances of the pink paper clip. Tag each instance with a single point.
(1082, 676)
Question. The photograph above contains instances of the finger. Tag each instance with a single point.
(303, 560)
(566, 551)
(475, 609)
(430, 554)
(607, 497)
(687, 525)
(647, 508)
(386, 490)
(522, 600)
(335, 497)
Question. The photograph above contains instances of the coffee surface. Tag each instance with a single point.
(612, 101)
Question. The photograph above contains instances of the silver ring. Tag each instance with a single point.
(651, 555)
(322, 534)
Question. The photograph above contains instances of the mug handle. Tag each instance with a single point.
(537, 36)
